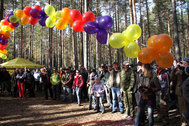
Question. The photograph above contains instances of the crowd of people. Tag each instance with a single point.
(128, 89)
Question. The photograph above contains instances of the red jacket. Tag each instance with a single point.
(78, 81)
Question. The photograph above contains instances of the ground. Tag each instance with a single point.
(38, 111)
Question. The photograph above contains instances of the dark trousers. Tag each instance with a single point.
(47, 87)
(56, 92)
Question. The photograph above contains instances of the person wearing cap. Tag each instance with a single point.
(67, 82)
(55, 81)
(127, 84)
(77, 85)
(114, 81)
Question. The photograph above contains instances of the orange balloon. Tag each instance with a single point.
(25, 19)
(3, 51)
(19, 13)
(153, 43)
(70, 22)
(165, 60)
(65, 13)
(166, 43)
(61, 24)
(146, 55)
(7, 34)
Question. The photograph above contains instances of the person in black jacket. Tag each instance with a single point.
(29, 82)
(5, 79)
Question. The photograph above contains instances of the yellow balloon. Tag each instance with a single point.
(133, 32)
(58, 14)
(117, 40)
(132, 50)
(3, 56)
(19, 13)
(50, 22)
(3, 51)
(61, 24)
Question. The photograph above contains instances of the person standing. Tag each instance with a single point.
(67, 81)
(115, 80)
(20, 82)
(29, 82)
(127, 84)
(77, 85)
(55, 81)
(6, 80)
(36, 76)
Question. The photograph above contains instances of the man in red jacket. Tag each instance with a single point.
(77, 85)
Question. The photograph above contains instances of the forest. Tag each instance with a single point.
(63, 48)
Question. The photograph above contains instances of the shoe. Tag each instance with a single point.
(124, 116)
(90, 108)
(114, 111)
(121, 112)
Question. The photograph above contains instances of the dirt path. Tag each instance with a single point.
(37, 111)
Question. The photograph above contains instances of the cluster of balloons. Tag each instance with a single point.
(157, 49)
(127, 39)
(99, 26)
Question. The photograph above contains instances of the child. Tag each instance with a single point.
(98, 89)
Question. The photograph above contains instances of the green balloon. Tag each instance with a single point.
(3, 56)
(58, 14)
(13, 19)
(49, 22)
(117, 40)
(133, 32)
(49, 10)
(132, 50)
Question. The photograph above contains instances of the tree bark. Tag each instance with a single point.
(60, 43)
(148, 21)
(2, 10)
(134, 12)
(131, 12)
(176, 35)
(22, 29)
(188, 30)
(97, 44)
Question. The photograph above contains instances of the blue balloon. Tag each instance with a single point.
(42, 12)
(34, 13)
(42, 21)
(91, 27)
(105, 22)
(15, 24)
(102, 36)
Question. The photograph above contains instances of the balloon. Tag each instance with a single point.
(78, 26)
(98, 19)
(146, 55)
(58, 14)
(5, 22)
(32, 20)
(105, 22)
(153, 43)
(27, 10)
(117, 40)
(3, 51)
(37, 7)
(13, 19)
(25, 20)
(15, 24)
(20, 22)
(91, 27)
(42, 12)
(75, 15)
(49, 22)
(132, 50)
(2, 47)
(7, 35)
(49, 10)
(70, 22)
(11, 13)
(42, 21)
(19, 13)
(34, 13)
(65, 13)
(61, 24)
(166, 43)
(133, 32)
(88, 16)
(3, 56)
(102, 36)
(165, 60)
(10, 24)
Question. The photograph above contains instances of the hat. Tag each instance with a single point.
(187, 70)
(77, 71)
(126, 63)
(186, 59)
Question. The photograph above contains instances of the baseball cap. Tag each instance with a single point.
(126, 63)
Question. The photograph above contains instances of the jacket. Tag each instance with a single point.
(127, 80)
(67, 80)
(78, 81)
(98, 89)
(115, 82)
(90, 85)
(55, 79)
(185, 89)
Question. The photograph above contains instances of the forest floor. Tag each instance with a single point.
(38, 111)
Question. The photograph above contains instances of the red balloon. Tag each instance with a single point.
(5, 22)
(2, 47)
(32, 20)
(75, 15)
(37, 7)
(10, 24)
(88, 16)
(3, 37)
(27, 10)
(78, 26)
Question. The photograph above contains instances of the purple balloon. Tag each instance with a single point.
(91, 27)
(15, 24)
(34, 13)
(105, 22)
(102, 36)
(42, 21)
(1, 41)
(4, 42)
(98, 19)
(11, 13)
(42, 12)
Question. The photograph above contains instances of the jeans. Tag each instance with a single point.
(99, 101)
(186, 114)
(92, 99)
(116, 95)
(65, 91)
(139, 114)
(78, 94)
(108, 93)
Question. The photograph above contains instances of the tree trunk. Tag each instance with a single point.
(134, 12)
(97, 44)
(159, 18)
(60, 43)
(31, 43)
(2, 10)
(188, 30)
(148, 22)
(168, 21)
(176, 35)
(131, 12)
(141, 21)
(117, 29)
